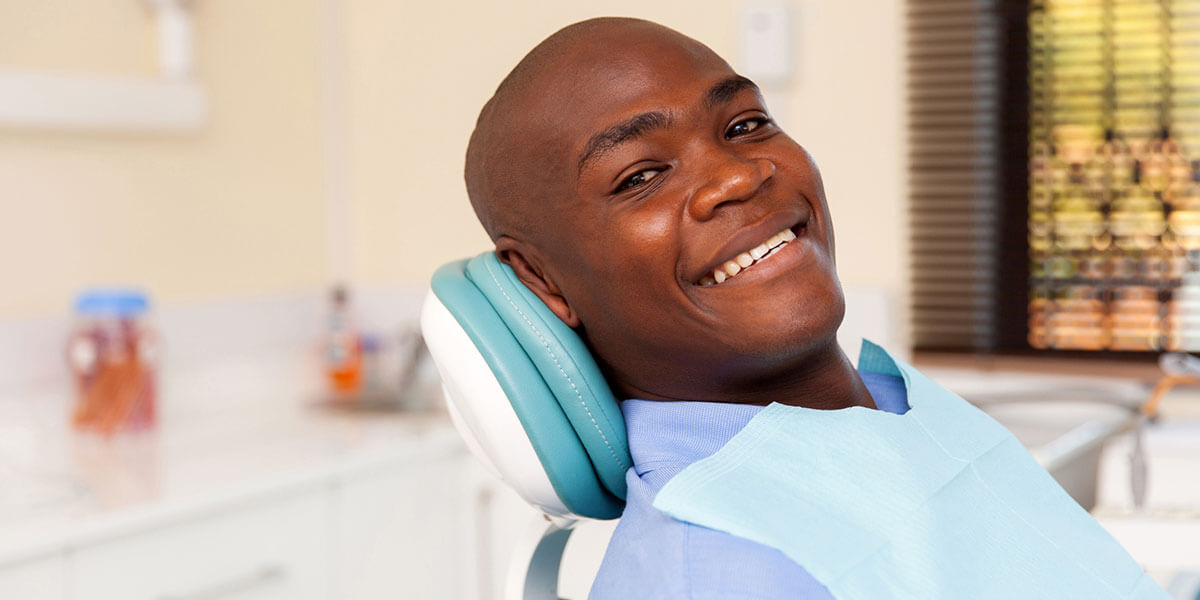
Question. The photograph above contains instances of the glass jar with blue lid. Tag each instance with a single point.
(113, 354)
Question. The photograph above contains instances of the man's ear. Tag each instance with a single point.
(524, 263)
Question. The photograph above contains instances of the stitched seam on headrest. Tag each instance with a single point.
(546, 345)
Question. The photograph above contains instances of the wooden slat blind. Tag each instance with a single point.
(954, 87)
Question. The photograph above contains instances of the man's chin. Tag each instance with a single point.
(798, 329)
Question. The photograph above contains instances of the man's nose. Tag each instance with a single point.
(734, 179)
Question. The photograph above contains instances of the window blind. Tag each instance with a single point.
(955, 86)
(1114, 188)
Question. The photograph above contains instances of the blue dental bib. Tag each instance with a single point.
(940, 502)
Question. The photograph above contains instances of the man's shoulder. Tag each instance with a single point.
(645, 557)
(652, 555)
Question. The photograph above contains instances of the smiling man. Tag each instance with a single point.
(638, 186)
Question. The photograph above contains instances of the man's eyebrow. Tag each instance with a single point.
(720, 93)
(621, 133)
(726, 89)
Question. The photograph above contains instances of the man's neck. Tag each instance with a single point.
(829, 382)
(826, 380)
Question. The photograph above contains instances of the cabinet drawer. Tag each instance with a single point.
(400, 532)
(42, 578)
(264, 551)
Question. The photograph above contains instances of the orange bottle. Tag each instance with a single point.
(343, 347)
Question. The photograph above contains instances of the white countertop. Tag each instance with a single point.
(227, 433)
(241, 430)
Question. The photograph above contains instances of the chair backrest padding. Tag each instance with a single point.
(554, 385)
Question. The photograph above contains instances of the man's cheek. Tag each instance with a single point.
(651, 222)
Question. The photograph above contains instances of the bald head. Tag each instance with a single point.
(519, 156)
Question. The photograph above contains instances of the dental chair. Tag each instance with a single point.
(531, 403)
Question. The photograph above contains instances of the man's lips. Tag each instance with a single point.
(750, 245)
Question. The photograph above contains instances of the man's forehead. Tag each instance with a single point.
(595, 89)
(614, 71)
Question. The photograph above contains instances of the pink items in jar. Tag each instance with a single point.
(112, 354)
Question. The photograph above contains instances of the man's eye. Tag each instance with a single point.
(639, 178)
(746, 126)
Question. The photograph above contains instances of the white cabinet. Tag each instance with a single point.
(400, 530)
(500, 517)
(354, 509)
(44, 578)
(269, 550)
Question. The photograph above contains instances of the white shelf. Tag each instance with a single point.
(34, 99)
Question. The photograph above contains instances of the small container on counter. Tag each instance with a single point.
(370, 368)
(343, 348)
(112, 353)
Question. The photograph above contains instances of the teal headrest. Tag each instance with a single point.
(555, 387)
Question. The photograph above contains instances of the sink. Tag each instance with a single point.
(1067, 437)
(1082, 431)
(1065, 422)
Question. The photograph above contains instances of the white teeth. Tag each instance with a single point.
(748, 258)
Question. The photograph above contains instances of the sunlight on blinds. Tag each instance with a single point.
(1114, 164)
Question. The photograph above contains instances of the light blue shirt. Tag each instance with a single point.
(652, 555)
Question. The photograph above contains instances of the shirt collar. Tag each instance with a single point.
(674, 433)
(679, 433)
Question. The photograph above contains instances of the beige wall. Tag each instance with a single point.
(232, 210)
(244, 206)
(848, 108)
